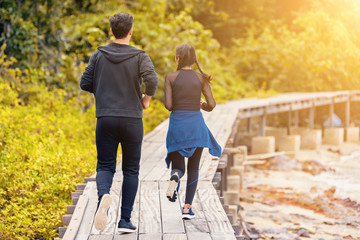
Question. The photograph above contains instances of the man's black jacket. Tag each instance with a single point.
(114, 74)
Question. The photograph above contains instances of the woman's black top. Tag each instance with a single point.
(183, 90)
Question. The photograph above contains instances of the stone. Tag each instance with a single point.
(231, 197)
(311, 139)
(233, 183)
(233, 209)
(289, 143)
(334, 136)
(352, 134)
(262, 144)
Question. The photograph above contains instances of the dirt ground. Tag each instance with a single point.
(314, 195)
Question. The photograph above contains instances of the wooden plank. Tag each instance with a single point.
(210, 202)
(111, 225)
(150, 236)
(148, 165)
(223, 236)
(77, 217)
(159, 167)
(264, 155)
(171, 216)
(88, 219)
(220, 227)
(101, 237)
(174, 236)
(199, 236)
(150, 219)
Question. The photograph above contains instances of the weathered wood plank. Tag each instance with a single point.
(150, 236)
(174, 236)
(170, 213)
(101, 237)
(88, 219)
(150, 219)
(213, 210)
(198, 236)
(223, 236)
(150, 164)
(77, 217)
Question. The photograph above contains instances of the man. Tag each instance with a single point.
(114, 74)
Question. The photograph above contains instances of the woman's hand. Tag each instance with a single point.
(202, 101)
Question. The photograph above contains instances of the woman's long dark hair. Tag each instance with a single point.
(187, 57)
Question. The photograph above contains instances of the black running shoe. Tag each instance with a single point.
(125, 227)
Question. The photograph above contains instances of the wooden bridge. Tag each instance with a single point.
(156, 217)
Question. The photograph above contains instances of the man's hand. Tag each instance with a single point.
(145, 101)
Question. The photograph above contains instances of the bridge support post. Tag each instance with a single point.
(312, 115)
(249, 125)
(296, 121)
(289, 120)
(331, 113)
(347, 112)
(263, 123)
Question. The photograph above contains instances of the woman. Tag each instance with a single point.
(187, 134)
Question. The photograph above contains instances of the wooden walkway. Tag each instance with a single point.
(156, 217)
(153, 214)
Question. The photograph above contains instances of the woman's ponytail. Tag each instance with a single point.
(206, 76)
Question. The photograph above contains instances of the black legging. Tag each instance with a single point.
(178, 165)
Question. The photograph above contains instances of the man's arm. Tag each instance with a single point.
(87, 79)
(149, 76)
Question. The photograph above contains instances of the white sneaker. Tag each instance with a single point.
(100, 219)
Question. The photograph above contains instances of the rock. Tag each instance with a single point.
(303, 233)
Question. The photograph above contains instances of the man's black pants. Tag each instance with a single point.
(110, 131)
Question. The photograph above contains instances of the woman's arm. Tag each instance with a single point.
(168, 94)
(210, 103)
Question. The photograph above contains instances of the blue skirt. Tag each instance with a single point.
(187, 131)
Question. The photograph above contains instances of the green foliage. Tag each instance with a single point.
(47, 124)
(46, 147)
(308, 59)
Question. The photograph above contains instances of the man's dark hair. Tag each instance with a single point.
(121, 23)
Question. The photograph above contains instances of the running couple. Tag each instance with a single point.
(114, 75)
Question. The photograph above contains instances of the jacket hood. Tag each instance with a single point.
(117, 53)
